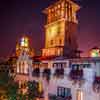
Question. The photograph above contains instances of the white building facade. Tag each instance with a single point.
(71, 79)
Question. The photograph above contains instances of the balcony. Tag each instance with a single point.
(36, 72)
(59, 72)
(76, 76)
(46, 73)
(96, 85)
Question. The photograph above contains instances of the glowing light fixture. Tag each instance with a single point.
(95, 53)
(24, 42)
(40, 87)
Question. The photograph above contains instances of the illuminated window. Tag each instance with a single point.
(22, 43)
(62, 12)
(61, 91)
(21, 67)
(64, 65)
(55, 10)
(59, 52)
(79, 95)
(62, 4)
(64, 92)
(62, 9)
(59, 6)
(52, 10)
(18, 65)
(40, 88)
(49, 10)
(60, 41)
(51, 42)
(54, 65)
(25, 67)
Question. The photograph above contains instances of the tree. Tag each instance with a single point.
(7, 83)
(34, 90)
(4, 74)
(12, 90)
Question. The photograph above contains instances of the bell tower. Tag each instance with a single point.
(61, 25)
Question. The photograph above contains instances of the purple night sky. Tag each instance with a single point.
(20, 17)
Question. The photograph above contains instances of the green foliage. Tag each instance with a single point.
(32, 89)
(3, 78)
(7, 83)
(22, 96)
(53, 97)
(12, 88)
(4, 73)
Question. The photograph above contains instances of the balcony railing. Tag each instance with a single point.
(46, 73)
(36, 72)
(76, 76)
(59, 72)
(96, 85)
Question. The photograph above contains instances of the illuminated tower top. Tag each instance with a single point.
(60, 29)
(62, 9)
(23, 46)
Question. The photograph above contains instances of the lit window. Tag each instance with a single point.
(22, 43)
(51, 42)
(79, 95)
(64, 92)
(60, 41)
(59, 6)
(40, 88)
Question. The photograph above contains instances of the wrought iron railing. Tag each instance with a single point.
(76, 76)
(96, 85)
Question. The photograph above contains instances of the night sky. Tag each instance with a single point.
(19, 17)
